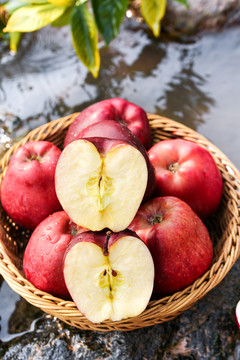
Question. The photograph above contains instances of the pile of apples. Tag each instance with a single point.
(115, 223)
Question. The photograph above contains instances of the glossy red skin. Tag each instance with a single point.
(104, 145)
(43, 256)
(28, 189)
(180, 244)
(133, 116)
(197, 181)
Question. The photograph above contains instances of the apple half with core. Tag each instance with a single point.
(188, 171)
(112, 129)
(109, 275)
(178, 241)
(123, 111)
(28, 189)
(43, 256)
(100, 183)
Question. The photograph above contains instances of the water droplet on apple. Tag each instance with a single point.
(55, 239)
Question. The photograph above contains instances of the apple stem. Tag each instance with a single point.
(105, 247)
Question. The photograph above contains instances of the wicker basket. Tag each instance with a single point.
(224, 229)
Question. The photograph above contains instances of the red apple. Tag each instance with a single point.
(28, 189)
(109, 276)
(237, 314)
(188, 171)
(43, 256)
(178, 241)
(112, 129)
(133, 116)
(101, 182)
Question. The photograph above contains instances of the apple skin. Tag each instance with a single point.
(112, 129)
(133, 116)
(178, 241)
(237, 315)
(188, 171)
(99, 238)
(28, 189)
(43, 256)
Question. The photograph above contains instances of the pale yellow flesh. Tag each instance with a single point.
(100, 297)
(99, 192)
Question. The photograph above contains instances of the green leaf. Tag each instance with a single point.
(13, 5)
(183, 2)
(32, 2)
(152, 12)
(33, 17)
(65, 19)
(109, 15)
(85, 38)
(62, 2)
(15, 38)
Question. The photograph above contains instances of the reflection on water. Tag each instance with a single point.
(17, 317)
(196, 84)
(184, 99)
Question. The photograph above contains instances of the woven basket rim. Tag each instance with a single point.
(158, 311)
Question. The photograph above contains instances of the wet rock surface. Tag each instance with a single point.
(201, 16)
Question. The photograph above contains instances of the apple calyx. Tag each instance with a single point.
(173, 167)
(155, 219)
(35, 157)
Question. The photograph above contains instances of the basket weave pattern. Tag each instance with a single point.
(224, 228)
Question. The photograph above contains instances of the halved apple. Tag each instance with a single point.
(101, 182)
(109, 276)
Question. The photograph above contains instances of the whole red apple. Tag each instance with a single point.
(43, 256)
(101, 182)
(178, 241)
(105, 274)
(133, 116)
(28, 189)
(188, 171)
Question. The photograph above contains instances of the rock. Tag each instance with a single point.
(202, 16)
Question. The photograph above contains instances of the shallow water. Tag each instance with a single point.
(196, 83)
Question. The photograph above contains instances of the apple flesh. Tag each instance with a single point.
(237, 314)
(28, 189)
(109, 276)
(43, 256)
(100, 182)
(123, 111)
(188, 171)
(112, 129)
(178, 241)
